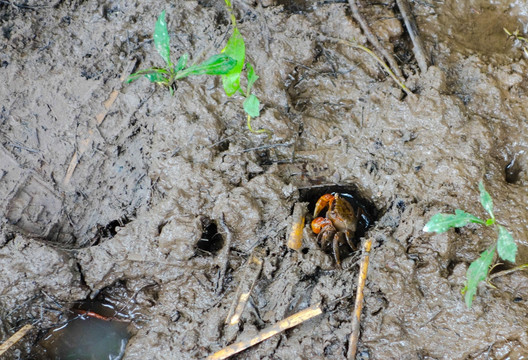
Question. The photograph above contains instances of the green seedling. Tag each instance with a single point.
(504, 245)
(515, 35)
(236, 49)
(220, 64)
(230, 64)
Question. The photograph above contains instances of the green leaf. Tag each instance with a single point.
(440, 223)
(157, 78)
(477, 272)
(506, 245)
(133, 77)
(235, 49)
(485, 200)
(161, 39)
(147, 73)
(182, 62)
(216, 65)
(251, 77)
(251, 106)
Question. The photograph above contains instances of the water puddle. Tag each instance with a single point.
(96, 330)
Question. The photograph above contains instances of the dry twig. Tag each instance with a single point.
(508, 271)
(386, 67)
(223, 257)
(363, 269)
(273, 330)
(15, 338)
(251, 275)
(373, 39)
(297, 227)
(86, 143)
(410, 24)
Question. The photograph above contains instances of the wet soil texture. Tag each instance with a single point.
(106, 185)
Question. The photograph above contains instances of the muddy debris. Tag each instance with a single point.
(169, 198)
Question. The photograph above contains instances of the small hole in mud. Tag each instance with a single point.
(365, 210)
(212, 241)
(296, 6)
(223, 145)
(110, 230)
(449, 268)
(512, 172)
(263, 158)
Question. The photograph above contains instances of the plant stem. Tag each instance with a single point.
(259, 131)
(230, 9)
(509, 271)
(385, 66)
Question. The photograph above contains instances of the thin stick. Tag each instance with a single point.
(509, 271)
(363, 269)
(375, 57)
(275, 329)
(95, 315)
(224, 256)
(410, 24)
(86, 143)
(245, 288)
(373, 39)
(14, 338)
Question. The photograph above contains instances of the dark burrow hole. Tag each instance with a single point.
(211, 241)
(368, 213)
(302, 6)
(512, 172)
(110, 230)
(94, 329)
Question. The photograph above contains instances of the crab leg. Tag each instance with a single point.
(338, 238)
(349, 239)
(323, 202)
(319, 223)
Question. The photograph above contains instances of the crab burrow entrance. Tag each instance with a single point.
(344, 199)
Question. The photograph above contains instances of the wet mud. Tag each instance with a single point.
(107, 186)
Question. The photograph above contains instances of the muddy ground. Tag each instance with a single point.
(132, 203)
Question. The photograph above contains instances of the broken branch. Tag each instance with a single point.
(15, 338)
(373, 39)
(386, 67)
(297, 227)
(273, 330)
(418, 49)
(243, 293)
(358, 307)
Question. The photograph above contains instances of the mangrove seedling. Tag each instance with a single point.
(230, 64)
(504, 245)
(236, 49)
(220, 64)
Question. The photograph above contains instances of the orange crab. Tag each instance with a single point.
(338, 226)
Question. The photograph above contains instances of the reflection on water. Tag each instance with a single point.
(89, 335)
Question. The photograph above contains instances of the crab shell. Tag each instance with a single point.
(339, 225)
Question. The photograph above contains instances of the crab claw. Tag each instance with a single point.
(322, 203)
(319, 223)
